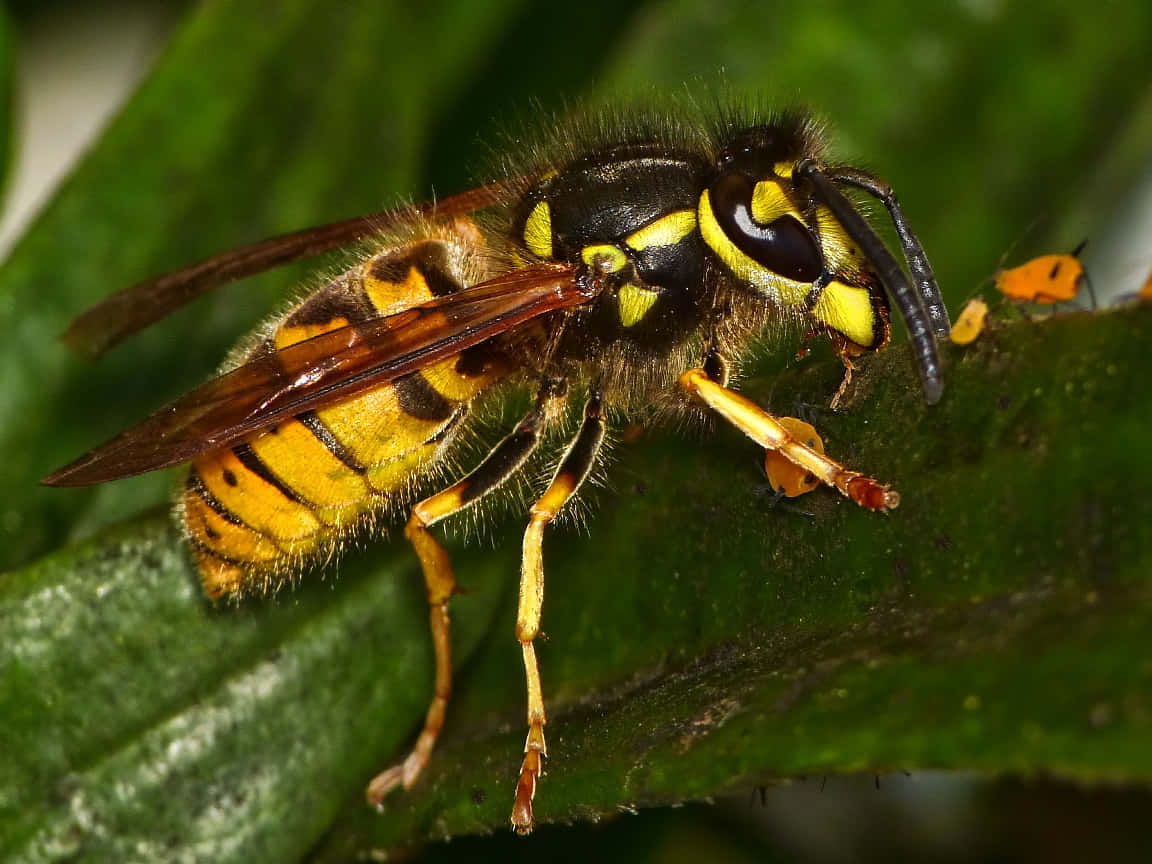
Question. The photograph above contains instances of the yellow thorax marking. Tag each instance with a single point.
(665, 231)
(634, 303)
(538, 230)
(848, 310)
(784, 169)
(839, 251)
(604, 257)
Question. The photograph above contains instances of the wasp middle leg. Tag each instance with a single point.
(707, 384)
(498, 466)
(572, 471)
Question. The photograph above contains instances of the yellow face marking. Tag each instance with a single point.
(286, 336)
(604, 257)
(770, 202)
(538, 230)
(970, 323)
(839, 250)
(634, 303)
(786, 292)
(784, 169)
(847, 310)
(392, 297)
(665, 231)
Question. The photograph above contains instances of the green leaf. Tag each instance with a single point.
(699, 641)
(142, 723)
(699, 638)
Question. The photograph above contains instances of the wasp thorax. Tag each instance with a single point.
(759, 219)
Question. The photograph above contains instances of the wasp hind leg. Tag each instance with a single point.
(440, 583)
(573, 470)
(707, 384)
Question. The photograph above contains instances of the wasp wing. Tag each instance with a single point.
(330, 367)
(119, 315)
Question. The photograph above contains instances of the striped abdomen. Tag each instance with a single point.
(288, 493)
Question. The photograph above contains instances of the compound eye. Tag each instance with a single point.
(784, 245)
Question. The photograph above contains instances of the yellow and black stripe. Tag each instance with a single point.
(287, 492)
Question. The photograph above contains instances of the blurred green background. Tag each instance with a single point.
(1007, 129)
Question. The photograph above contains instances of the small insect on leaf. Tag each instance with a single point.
(784, 476)
(1048, 279)
(971, 322)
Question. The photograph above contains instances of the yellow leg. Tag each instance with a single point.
(574, 468)
(440, 583)
(766, 431)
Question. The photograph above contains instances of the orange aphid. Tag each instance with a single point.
(1047, 279)
(785, 476)
(971, 322)
(1146, 290)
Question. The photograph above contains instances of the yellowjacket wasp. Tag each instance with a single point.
(626, 261)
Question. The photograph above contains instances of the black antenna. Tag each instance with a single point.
(913, 252)
(916, 308)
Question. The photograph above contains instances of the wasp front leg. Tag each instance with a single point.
(707, 384)
(573, 470)
(498, 466)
